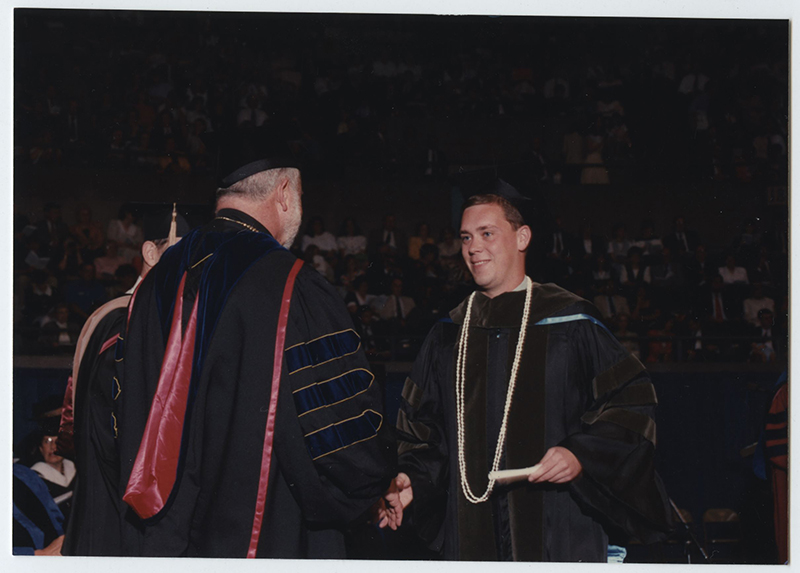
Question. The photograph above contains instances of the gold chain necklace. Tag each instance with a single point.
(245, 225)
(460, 382)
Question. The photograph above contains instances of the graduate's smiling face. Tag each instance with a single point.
(493, 250)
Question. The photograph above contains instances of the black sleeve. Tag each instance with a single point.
(422, 442)
(616, 446)
(338, 450)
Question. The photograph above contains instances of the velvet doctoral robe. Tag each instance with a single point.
(578, 388)
(212, 465)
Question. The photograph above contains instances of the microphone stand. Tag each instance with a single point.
(689, 534)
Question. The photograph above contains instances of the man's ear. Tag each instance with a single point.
(150, 253)
(524, 234)
(282, 192)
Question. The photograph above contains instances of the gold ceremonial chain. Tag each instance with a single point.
(245, 225)
(460, 378)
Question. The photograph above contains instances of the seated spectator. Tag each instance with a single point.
(770, 345)
(59, 334)
(628, 338)
(57, 472)
(313, 257)
(144, 154)
(449, 246)
(173, 158)
(645, 311)
(601, 269)
(38, 527)
(618, 246)
(126, 233)
(51, 232)
(351, 241)
(251, 115)
(368, 327)
(388, 239)
(633, 273)
(572, 154)
(718, 305)
(428, 267)
(317, 235)
(360, 296)
(351, 273)
(668, 274)
(39, 298)
(117, 154)
(68, 267)
(85, 294)
(106, 265)
(762, 270)
(755, 303)
(650, 244)
(587, 247)
(557, 247)
(422, 237)
(732, 274)
(681, 241)
(34, 258)
(397, 307)
(88, 234)
(595, 172)
(747, 244)
(660, 347)
(697, 269)
(126, 277)
(610, 304)
(695, 347)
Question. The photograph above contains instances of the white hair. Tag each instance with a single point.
(259, 186)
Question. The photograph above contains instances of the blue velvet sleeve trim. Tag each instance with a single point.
(37, 535)
(343, 434)
(321, 350)
(22, 551)
(330, 392)
(37, 486)
(570, 318)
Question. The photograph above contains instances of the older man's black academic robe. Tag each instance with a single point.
(577, 388)
(332, 453)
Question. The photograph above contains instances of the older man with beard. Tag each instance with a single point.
(249, 424)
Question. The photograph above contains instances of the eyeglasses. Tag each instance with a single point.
(49, 440)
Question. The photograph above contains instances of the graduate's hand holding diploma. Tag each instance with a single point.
(389, 509)
(558, 465)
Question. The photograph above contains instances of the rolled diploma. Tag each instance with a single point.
(510, 476)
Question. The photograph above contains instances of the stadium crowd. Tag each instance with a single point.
(660, 289)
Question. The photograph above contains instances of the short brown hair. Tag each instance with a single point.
(511, 213)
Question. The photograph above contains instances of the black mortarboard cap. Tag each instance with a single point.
(240, 154)
(42, 408)
(157, 217)
(156, 222)
(486, 182)
(49, 426)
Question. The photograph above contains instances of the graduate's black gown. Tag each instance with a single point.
(577, 388)
(333, 454)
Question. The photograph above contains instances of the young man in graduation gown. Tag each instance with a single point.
(88, 422)
(524, 375)
(249, 424)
